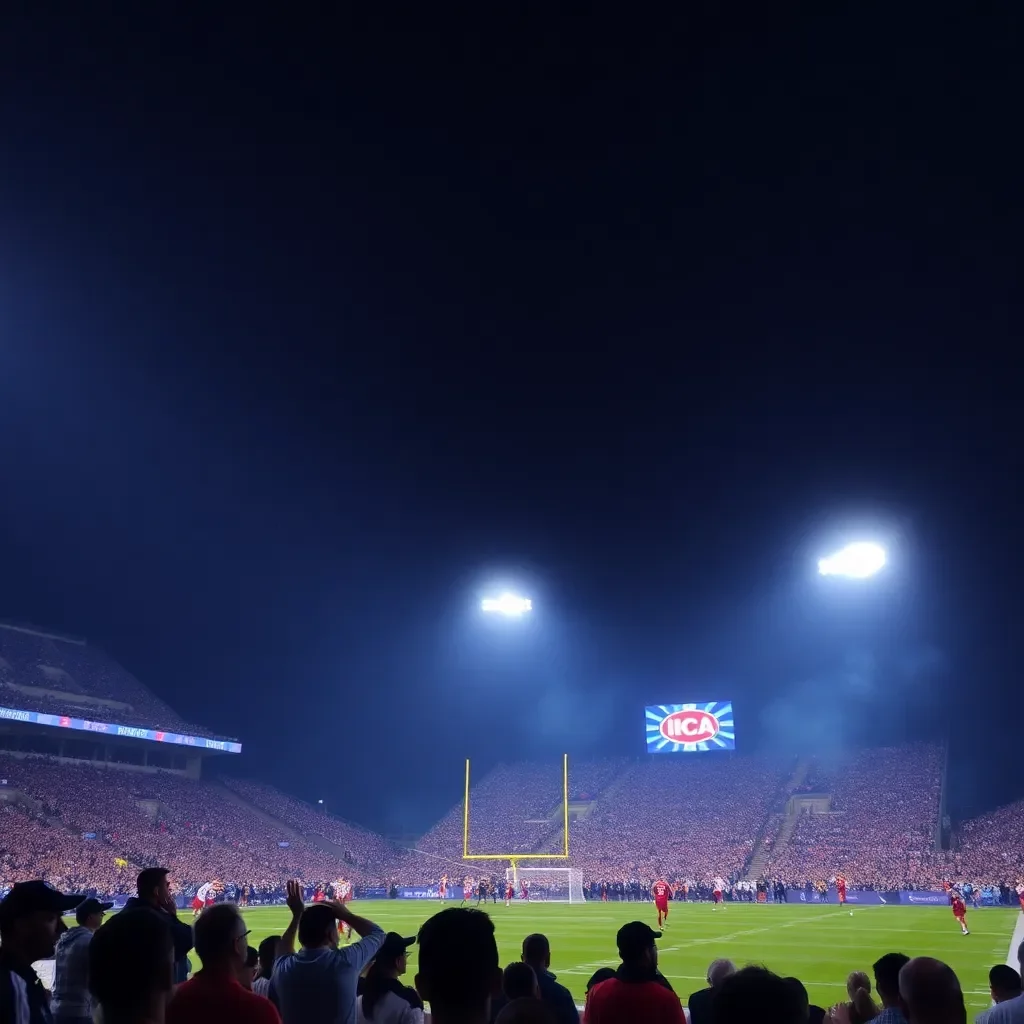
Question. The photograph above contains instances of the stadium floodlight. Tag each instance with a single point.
(855, 561)
(508, 604)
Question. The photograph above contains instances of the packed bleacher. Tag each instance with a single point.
(192, 827)
(43, 672)
(990, 847)
(885, 805)
(688, 818)
(359, 846)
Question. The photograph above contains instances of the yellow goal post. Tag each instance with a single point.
(564, 855)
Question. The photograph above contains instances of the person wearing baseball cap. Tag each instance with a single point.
(71, 1002)
(383, 999)
(638, 991)
(30, 921)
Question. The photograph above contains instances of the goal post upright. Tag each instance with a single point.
(516, 857)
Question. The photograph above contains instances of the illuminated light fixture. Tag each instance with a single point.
(508, 604)
(855, 561)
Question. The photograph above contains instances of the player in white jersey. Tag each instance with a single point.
(717, 888)
(202, 893)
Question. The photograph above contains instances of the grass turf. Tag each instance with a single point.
(818, 944)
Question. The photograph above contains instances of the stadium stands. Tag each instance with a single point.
(680, 817)
(991, 847)
(685, 818)
(885, 805)
(359, 846)
(43, 672)
(191, 827)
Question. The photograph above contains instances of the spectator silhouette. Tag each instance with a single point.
(557, 998)
(30, 920)
(525, 1010)
(1012, 1010)
(638, 991)
(699, 1003)
(930, 992)
(812, 1014)
(131, 967)
(215, 994)
(317, 985)
(756, 994)
(1004, 985)
(267, 951)
(518, 981)
(861, 1008)
(71, 1002)
(458, 969)
(154, 893)
(887, 984)
(384, 999)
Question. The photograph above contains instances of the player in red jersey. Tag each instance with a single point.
(841, 889)
(660, 891)
(1020, 892)
(717, 888)
(510, 891)
(442, 888)
(467, 890)
(524, 890)
(956, 901)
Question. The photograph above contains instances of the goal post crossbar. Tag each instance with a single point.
(564, 855)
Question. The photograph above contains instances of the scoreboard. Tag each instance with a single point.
(690, 728)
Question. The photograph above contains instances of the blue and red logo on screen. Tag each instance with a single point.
(690, 728)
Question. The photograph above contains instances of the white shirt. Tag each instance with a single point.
(719, 885)
(203, 891)
(390, 1009)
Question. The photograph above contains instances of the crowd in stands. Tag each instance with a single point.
(127, 968)
(885, 806)
(688, 818)
(42, 672)
(989, 843)
(358, 845)
(190, 826)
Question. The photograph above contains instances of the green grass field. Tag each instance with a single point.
(818, 944)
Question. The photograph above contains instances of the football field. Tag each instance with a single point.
(818, 944)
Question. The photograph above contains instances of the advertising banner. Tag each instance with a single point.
(109, 729)
(690, 728)
(925, 897)
(417, 892)
(855, 897)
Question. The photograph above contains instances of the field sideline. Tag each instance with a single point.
(818, 944)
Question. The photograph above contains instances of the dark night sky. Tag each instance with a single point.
(311, 328)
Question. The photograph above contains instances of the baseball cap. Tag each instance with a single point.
(28, 897)
(635, 937)
(393, 947)
(89, 907)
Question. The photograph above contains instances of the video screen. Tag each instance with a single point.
(690, 728)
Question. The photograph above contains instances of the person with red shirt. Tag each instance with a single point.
(841, 888)
(214, 994)
(509, 892)
(638, 992)
(660, 891)
(956, 901)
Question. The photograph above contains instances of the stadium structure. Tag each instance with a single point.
(99, 778)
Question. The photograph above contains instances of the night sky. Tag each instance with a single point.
(310, 330)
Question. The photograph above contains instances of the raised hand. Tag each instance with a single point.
(293, 891)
